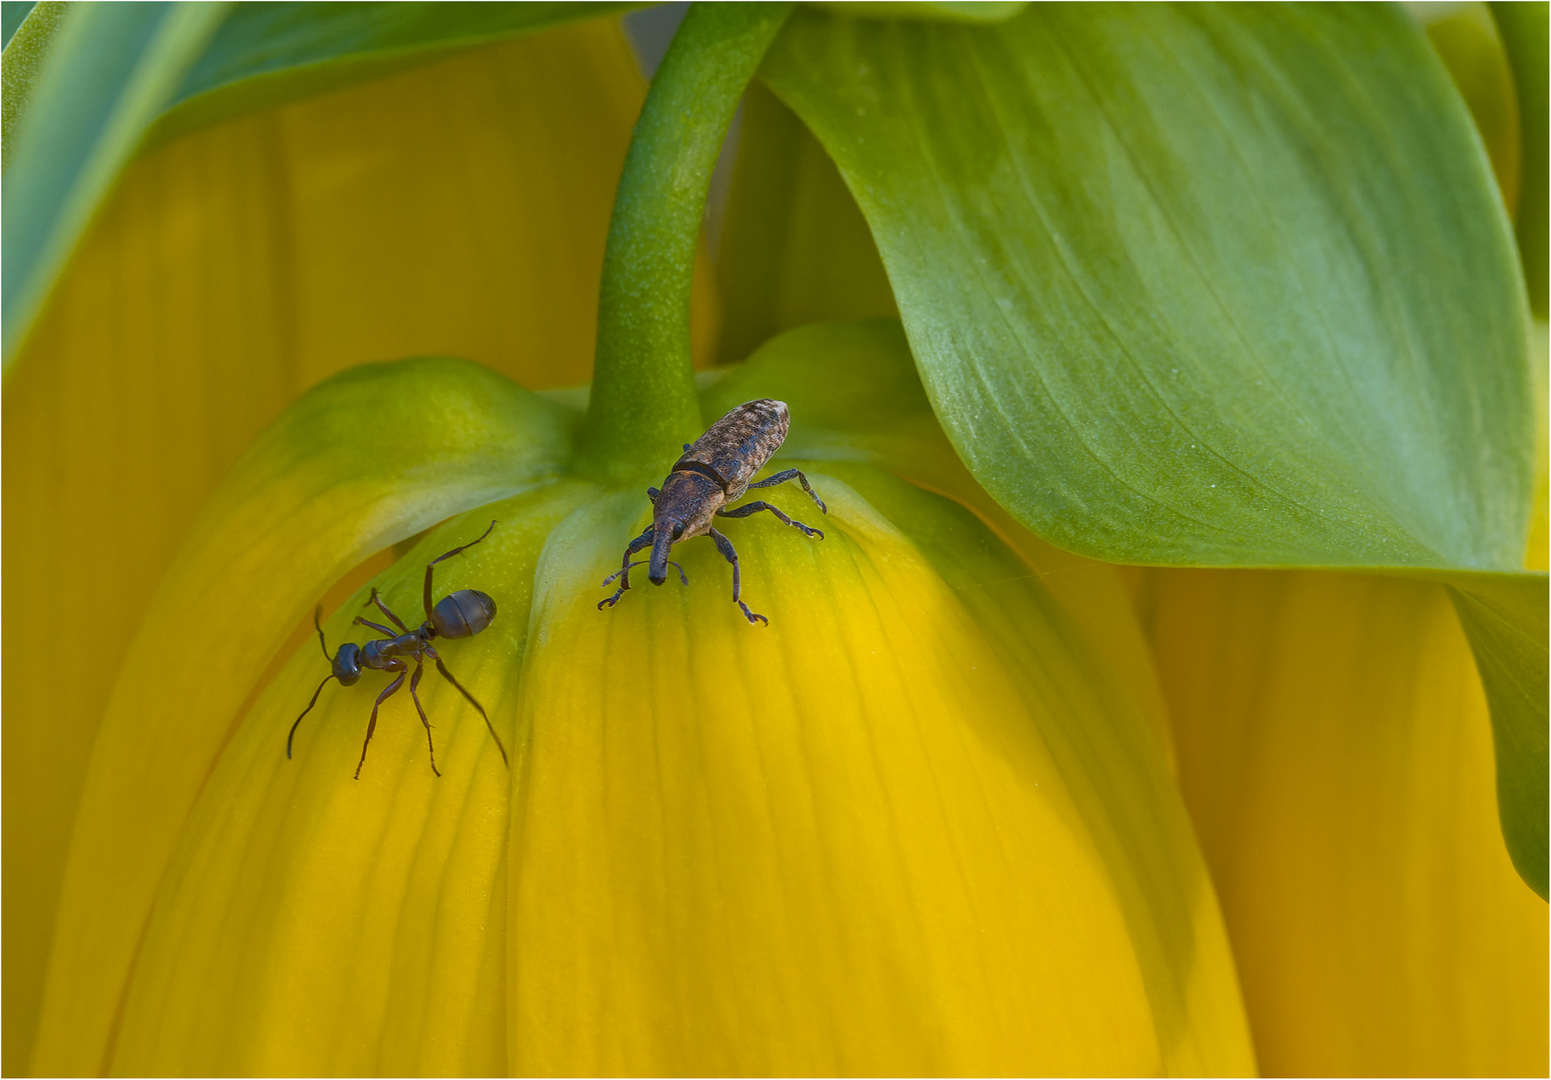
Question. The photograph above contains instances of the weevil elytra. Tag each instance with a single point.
(713, 473)
(460, 614)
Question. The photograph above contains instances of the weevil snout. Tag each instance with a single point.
(657, 568)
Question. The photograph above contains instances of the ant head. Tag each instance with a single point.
(462, 614)
(347, 664)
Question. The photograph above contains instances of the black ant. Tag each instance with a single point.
(460, 614)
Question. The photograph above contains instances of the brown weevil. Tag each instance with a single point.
(713, 473)
(460, 614)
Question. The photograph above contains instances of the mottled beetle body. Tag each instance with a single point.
(713, 472)
(460, 614)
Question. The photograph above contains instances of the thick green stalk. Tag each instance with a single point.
(643, 392)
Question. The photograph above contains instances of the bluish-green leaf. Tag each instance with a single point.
(855, 396)
(975, 11)
(1504, 616)
(1195, 285)
(110, 71)
(265, 54)
(26, 44)
(794, 247)
(1524, 28)
(12, 12)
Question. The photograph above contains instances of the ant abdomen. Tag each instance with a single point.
(463, 613)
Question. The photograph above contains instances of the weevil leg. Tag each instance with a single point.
(642, 541)
(491, 727)
(755, 507)
(724, 545)
(792, 474)
(305, 711)
(414, 685)
(376, 598)
(371, 725)
(652, 493)
(377, 626)
(429, 608)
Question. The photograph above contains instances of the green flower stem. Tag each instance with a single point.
(643, 392)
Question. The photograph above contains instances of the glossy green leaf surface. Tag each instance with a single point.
(265, 54)
(12, 12)
(20, 65)
(855, 396)
(985, 11)
(110, 71)
(1523, 28)
(794, 247)
(1504, 616)
(1196, 285)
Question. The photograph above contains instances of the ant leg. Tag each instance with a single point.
(724, 545)
(376, 598)
(371, 725)
(448, 676)
(305, 711)
(377, 626)
(455, 551)
(755, 507)
(642, 541)
(792, 474)
(414, 684)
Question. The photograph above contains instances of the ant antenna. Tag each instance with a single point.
(317, 613)
(305, 711)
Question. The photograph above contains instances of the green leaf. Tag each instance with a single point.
(1504, 616)
(1523, 27)
(794, 247)
(361, 461)
(12, 13)
(266, 54)
(110, 71)
(975, 11)
(26, 45)
(1200, 286)
(855, 397)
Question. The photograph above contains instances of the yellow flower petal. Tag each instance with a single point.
(361, 461)
(881, 834)
(313, 923)
(846, 842)
(459, 208)
(1336, 755)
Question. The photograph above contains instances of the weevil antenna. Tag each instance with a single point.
(682, 576)
(305, 711)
